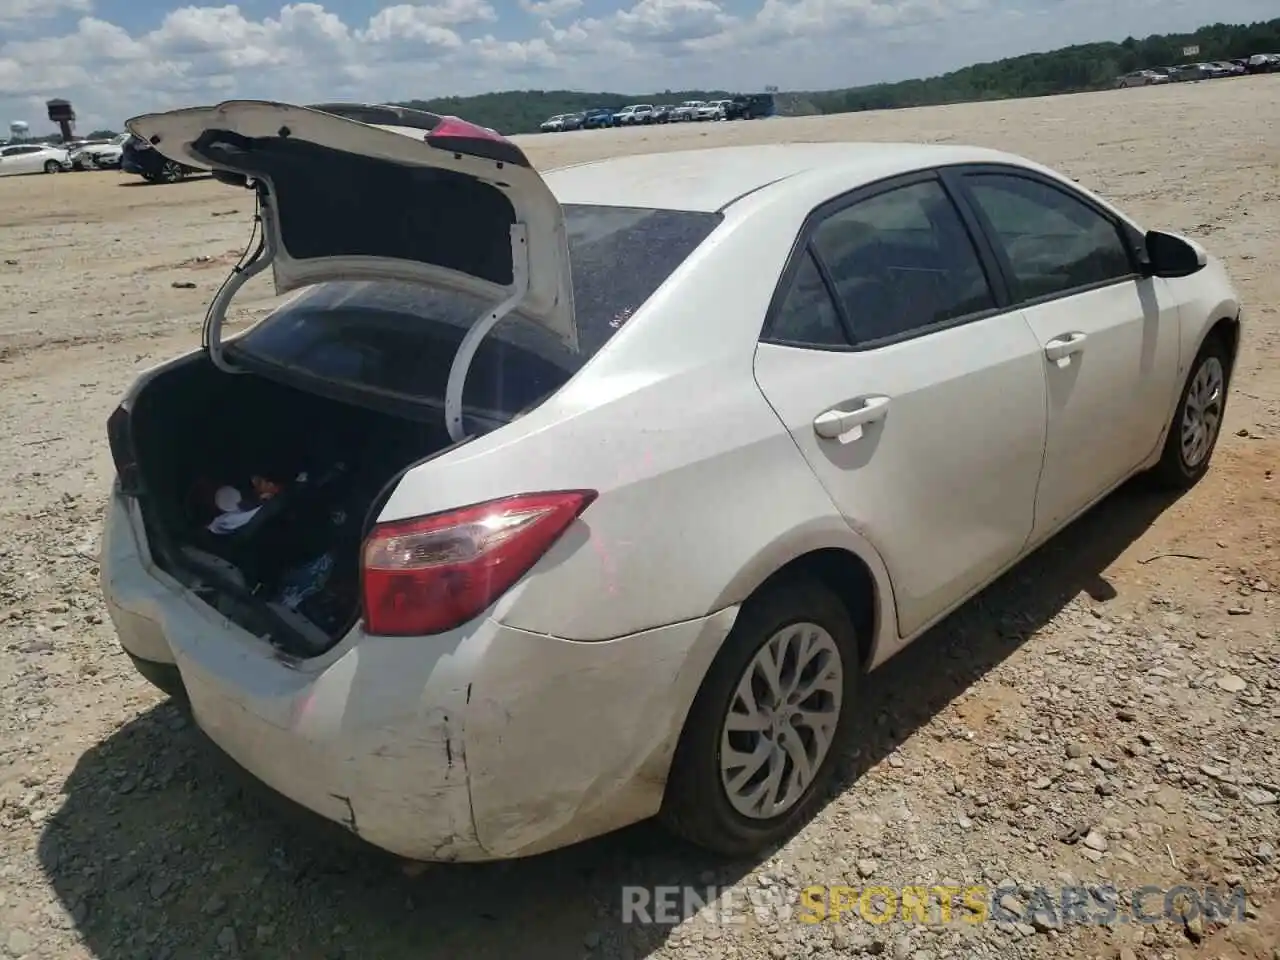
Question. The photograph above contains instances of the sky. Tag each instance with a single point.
(114, 59)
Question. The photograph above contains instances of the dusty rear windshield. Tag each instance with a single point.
(399, 338)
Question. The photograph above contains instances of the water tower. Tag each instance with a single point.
(18, 130)
(60, 112)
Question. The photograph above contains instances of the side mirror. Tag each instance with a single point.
(1169, 255)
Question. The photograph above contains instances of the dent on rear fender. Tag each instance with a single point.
(568, 740)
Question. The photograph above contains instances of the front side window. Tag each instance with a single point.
(902, 261)
(1054, 242)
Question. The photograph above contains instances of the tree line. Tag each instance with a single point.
(1089, 66)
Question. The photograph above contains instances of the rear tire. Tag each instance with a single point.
(1197, 421)
(171, 172)
(739, 809)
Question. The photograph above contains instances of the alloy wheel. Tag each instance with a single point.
(781, 721)
(1202, 412)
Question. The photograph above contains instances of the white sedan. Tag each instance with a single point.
(33, 158)
(494, 539)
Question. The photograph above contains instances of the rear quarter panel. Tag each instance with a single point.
(701, 496)
(702, 492)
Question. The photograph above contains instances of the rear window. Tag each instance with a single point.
(399, 339)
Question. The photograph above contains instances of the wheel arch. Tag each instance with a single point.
(1226, 326)
(1227, 329)
(841, 560)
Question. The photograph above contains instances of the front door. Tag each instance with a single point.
(1109, 336)
(919, 404)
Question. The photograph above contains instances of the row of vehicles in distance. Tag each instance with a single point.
(1209, 70)
(743, 107)
(122, 152)
(39, 157)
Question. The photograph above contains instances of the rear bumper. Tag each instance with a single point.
(483, 743)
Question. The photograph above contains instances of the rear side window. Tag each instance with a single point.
(807, 316)
(399, 339)
(902, 261)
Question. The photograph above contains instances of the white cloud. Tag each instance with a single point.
(535, 53)
(550, 9)
(665, 21)
(309, 52)
(15, 11)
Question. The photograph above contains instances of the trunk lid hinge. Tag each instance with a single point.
(240, 275)
(480, 329)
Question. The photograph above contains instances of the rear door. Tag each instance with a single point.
(1109, 336)
(915, 396)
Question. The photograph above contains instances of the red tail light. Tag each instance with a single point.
(462, 136)
(432, 574)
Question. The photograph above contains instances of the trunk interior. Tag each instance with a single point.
(306, 470)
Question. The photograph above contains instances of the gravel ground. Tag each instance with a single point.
(1105, 717)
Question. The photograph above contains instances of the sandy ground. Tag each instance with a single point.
(123, 835)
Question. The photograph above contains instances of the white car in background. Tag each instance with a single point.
(33, 158)
(634, 115)
(103, 155)
(711, 110)
(687, 110)
(534, 529)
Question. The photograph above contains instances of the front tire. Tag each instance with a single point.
(764, 734)
(52, 166)
(1197, 421)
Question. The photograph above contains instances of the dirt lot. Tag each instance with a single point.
(1108, 714)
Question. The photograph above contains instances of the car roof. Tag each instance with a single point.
(710, 179)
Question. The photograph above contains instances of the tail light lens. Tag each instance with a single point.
(435, 573)
(461, 136)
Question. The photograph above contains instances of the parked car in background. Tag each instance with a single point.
(1191, 72)
(572, 121)
(101, 156)
(686, 111)
(573, 605)
(599, 117)
(77, 152)
(552, 124)
(33, 158)
(711, 110)
(633, 115)
(1226, 68)
(139, 157)
(751, 106)
(1141, 78)
(662, 113)
(1263, 63)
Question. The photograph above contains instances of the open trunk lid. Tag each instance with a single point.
(370, 192)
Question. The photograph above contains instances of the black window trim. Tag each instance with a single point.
(958, 174)
(983, 248)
